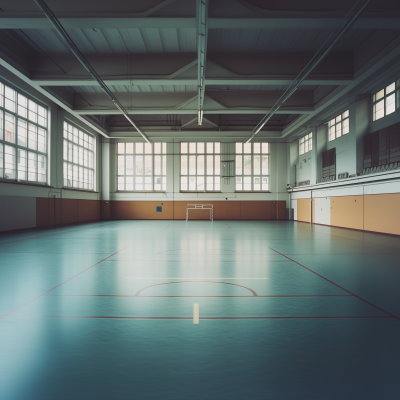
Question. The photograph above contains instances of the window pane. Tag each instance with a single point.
(345, 114)
(339, 129)
(379, 95)
(247, 165)
(184, 147)
(217, 184)
(257, 166)
(157, 148)
(200, 148)
(128, 146)
(200, 165)
(345, 126)
(390, 88)
(192, 183)
(139, 148)
(200, 183)
(41, 168)
(148, 148)
(9, 98)
(139, 165)
(192, 165)
(217, 148)
(239, 183)
(247, 148)
(32, 166)
(164, 168)
(22, 106)
(164, 148)
(210, 166)
(210, 147)
(210, 183)
(22, 164)
(157, 165)
(139, 183)
(148, 183)
(129, 165)
(256, 183)
(1, 125)
(184, 183)
(264, 183)
(239, 148)
(390, 103)
(264, 165)
(41, 140)
(247, 183)
(121, 183)
(148, 165)
(379, 109)
(157, 183)
(22, 132)
(9, 128)
(184, 166)
(265, 148)
(256, 147)
(9, 162)
(239, 170)
(192, 148)
(217, 165)
(121, 148)
(32, 136)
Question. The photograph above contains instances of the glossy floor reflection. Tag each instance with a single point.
(287, 311)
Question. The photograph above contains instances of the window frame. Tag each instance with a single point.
(66, 151)
(307, 139)
(384, 97)
(216, 181)
(252, 175)
(153, 175)
(334, 122)
(18, 122)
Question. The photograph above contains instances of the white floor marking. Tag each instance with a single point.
(195, 313)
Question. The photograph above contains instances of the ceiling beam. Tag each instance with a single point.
(202, 38)
(214, 23)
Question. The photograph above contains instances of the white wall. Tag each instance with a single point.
(277, 178)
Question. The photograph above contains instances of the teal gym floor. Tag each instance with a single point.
(286, 311)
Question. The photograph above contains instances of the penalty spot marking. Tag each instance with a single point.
(195, 313)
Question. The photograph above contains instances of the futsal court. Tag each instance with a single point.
(199, 310)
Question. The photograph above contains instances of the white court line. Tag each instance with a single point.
(132, 277)
(195, 313)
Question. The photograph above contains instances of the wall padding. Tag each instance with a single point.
(223, 210)
(50, 211)
(304, 210)
(347, 212)
(381, 213)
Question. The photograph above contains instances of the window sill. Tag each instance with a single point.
(79, 190)
(202, 191)
(141, 191)
(253, 191)
(25, 183)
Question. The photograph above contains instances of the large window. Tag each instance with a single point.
(338, 126)
(384, 101)
(142, 167)
(305, 144)
(23, 137)
(200, 167)
(252, 167)
(78, 158)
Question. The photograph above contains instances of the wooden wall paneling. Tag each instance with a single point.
(270, 210)
(58, 211)
(105, 210)
(226, 209)
(141, 210)
(304, 210)
(347, 212)
(281, 209)
(42, 212)
(87, 210)
(69, 211)
(381, 213)
(251, 210)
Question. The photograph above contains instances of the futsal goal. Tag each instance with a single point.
(200, 207)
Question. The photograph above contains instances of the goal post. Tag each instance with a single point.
(200, 207)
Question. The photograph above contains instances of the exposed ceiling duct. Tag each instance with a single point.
(71, 45)
(346, 24)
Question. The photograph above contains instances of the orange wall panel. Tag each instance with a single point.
(251, 210)
(347, 212)
(141, 210)
(381, 213)
(304, 210)
(281, 209)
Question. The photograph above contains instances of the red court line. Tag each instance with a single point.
(340, 287)
(118, 317)
(169, 283)
(127, 295)
(229, 227)
(55, 287)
